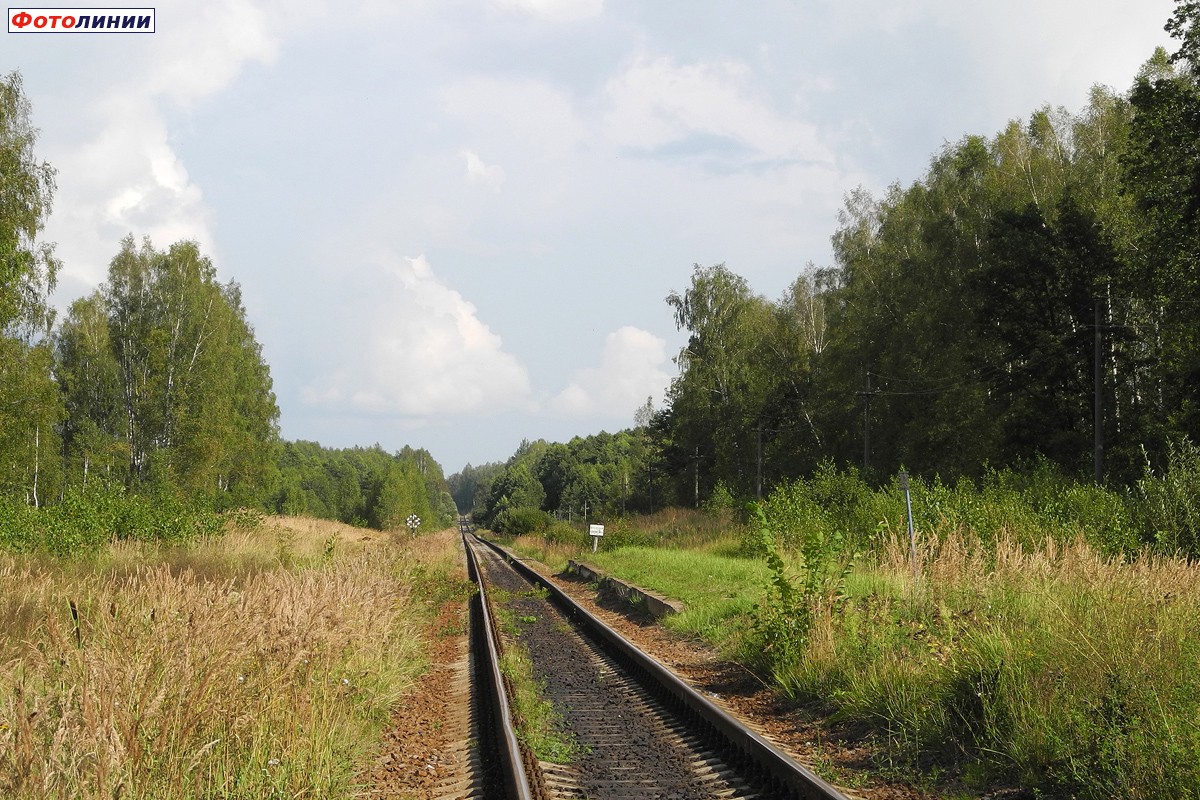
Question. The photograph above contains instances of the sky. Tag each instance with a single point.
(455, 223)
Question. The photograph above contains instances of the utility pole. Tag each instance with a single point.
(867, 426)
(758, 470)
(650, 488)
(696, 478)
(866, 395)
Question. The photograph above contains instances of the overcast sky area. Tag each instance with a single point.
(455, 223)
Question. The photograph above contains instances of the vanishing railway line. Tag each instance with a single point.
(639, 731)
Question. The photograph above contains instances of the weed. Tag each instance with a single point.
(782, 624)
(539, 724)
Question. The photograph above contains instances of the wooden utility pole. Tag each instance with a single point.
(650, 489)
(866, 395)
(758, 469)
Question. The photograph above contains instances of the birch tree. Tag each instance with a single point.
(29, 408)
(194, 406)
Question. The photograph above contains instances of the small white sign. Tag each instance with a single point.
(596, 530)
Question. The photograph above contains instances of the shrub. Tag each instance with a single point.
(19, 528)
(89, 518)
(520, 520)
(721, 503)
(564, 533)
(622, 534)
(1167, 506)
(783, 622)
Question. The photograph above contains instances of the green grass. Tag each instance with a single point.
(717, 591)
(539, 724)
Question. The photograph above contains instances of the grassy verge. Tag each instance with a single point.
(718, 591)
(1051, 641)
(1055, 668)
(262, 663)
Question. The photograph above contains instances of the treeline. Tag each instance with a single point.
(587, 478)
(153, 387)
(162, 383)
(362, 486)
(1035, 295)
(1034, 299)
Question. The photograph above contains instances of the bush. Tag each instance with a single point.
(89, 518)
(1167, 506)
(19, 529)
(622, 534)
(521, 520)
(721, 503)
(564, 533)
(783, 622)
(834, 504)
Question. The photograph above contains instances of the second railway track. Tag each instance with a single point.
(639, 731)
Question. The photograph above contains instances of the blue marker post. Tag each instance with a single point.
(912, 536)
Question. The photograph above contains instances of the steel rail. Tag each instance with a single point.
(791, 778)
(516, 780)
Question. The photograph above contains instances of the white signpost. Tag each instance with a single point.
(595, 531)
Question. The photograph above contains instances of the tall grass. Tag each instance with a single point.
(260, 665)
(1058, 667)
(1051, 639)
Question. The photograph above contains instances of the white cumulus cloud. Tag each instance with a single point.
(655, 103)
(631, 369)
(418, 349)
(489, 176)
(119, 172)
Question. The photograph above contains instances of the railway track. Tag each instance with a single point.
(637, 730)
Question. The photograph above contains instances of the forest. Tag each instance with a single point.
(1032, 303)
(149, 405)
(1032, 300)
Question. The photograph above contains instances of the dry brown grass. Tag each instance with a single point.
(959, 560)
(260, 664)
